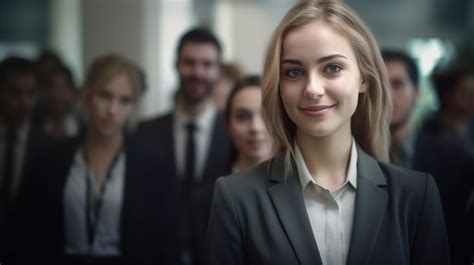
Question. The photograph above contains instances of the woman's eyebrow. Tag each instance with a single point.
(320, 60)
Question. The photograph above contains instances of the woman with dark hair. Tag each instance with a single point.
(251, 142)
(251, 145)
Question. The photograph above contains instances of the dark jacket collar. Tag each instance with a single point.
(370, 205)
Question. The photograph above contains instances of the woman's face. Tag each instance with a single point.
(320, 80)
(246, 126)
(111, 105)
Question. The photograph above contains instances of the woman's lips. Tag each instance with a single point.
(255, 143)
(317, 111)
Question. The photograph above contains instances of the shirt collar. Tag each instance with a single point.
(203, 121)
(306, 178)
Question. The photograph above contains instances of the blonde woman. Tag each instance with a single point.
(328, 197)
(100, 199)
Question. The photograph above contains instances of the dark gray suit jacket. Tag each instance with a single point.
(259, 217)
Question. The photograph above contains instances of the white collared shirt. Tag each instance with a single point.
(107, 236)
(19, 155)
(204, 128)
(331, 214)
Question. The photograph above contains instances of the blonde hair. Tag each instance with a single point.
(103, 69)
(370, 122)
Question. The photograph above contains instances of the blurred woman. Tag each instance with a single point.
(251, 145)
(251, 140)
(326, 198)
(100, 199)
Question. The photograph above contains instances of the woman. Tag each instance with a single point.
(251, 141)
(251, 145)
(101, 199)
(326, 198)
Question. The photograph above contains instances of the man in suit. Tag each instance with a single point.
(18, 136)
(193, 134)
(403, 75)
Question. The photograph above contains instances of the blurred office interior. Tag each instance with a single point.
(146, 31)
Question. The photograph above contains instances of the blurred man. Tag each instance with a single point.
(403, 75)
(18, 93)
(193, 134)
(60, 96)
(445, 149)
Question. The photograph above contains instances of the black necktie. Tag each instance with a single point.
(8, 172)
(187, 185)
(190, 159)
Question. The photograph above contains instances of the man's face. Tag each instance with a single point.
(198, 68)
(60, 97)
(20, 97)
(404, 92)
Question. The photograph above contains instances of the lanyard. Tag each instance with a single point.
(93, 214)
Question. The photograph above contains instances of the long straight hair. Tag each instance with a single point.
(370, 122)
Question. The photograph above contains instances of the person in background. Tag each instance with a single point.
(230, 74)
(60, 100)
(251, 141)
(251, 145)
(404, 80)
(100, 198)
(44, 64)
(193, 135)
(19, 138)
(327, 197)
(445, 148)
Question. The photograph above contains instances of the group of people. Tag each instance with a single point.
(305, 164)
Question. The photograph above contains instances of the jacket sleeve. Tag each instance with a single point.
(224, 235)
(430, 245)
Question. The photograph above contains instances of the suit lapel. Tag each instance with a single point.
(287, 197)
(370, 206)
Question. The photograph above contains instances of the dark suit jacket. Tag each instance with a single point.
(159, 132)
(35, 141)
(148, 221)
(259, 217)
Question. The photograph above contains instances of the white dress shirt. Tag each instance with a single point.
(204, 128)
(107, 236)
(19, 155)
(331, 214)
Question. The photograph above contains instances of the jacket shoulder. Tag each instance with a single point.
(253, 180)
(156, 121)
(406, 182)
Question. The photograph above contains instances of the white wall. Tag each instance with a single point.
(245, 28)
(147, 31)
(66, 34)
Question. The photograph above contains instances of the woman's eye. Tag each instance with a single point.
(242, 116)
(103, 95)
(333, 68)
(293, 73)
